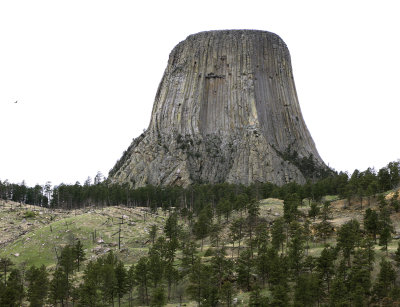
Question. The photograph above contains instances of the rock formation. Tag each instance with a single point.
(226, 110)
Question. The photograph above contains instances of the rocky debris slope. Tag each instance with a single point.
(226, 110)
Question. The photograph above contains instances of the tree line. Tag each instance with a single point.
(100, 192)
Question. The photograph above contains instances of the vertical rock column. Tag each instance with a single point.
(226, 110)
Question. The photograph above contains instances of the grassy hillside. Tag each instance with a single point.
(32, 235)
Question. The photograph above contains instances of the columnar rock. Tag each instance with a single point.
(226, 110)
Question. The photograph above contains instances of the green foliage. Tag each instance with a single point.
(361, 184)
(394, 201)
(314, 210)
(66, 260)
(325, 266)
(159, 298)
(257, 299)
(296, 248)
(385, 281)
(307, 290)
(202, 226)
(59, 287)
(13, 292)
(121, 276)
(38, 285)
(397, 255)
(237, 231)
(244, 270)
(324, 229)
(153, 233)
(277, 233)
(371, 222)
(78, 254)
(273, 261)
(141, 276)
(200, 286)
(29, 214)
(171, 228)
(5, 264)
(290, 205)
(385, 224)
(348, 238)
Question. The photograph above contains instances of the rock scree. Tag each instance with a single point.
(226, 110)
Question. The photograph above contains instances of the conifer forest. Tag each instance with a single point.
(216, 245)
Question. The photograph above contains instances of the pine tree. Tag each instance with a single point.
(59, 287)
(222, 267)
(38, 284)
(290, 205)
(262, 236)
(158, 298)
(307, 290)
(189, 256)
(367, 246)
(339, 293)
(264, 262)
(385, 281)
(277, 233)
(253, 211)
(108, 281)
(244, 270)
(5, 264)
(237, 232)
(296, 248)
(156, 267)
(371, 222)
(153, 233)
(171, 276)
(227, 292)
(202, 226)
(314, 210)
(397, 254)
(258, 300)
(171, 228)
(324, 229)
(2, 293)
(394, 201)
(280, 294)
(360, 277)
(385, 225)
(67, 260)
(326, 265)
(201, 287)
(215, 234)
(142, 279)
(14, 290)
(130, 282)
(89, 289)
(79, 254)
(121, 276)
(348, 238)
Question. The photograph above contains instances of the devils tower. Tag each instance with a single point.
(226, 110)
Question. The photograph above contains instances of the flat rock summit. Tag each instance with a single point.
(226, 110)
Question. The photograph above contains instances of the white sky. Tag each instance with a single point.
(85, 73)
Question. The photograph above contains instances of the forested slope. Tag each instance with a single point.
(333, 242)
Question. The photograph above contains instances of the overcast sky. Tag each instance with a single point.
(85, 74)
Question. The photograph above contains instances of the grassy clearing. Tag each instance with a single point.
(96, 229)
(39, 246)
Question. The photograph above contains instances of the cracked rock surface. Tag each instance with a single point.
(225, 111)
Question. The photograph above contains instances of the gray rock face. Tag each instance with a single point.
(226, 110)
